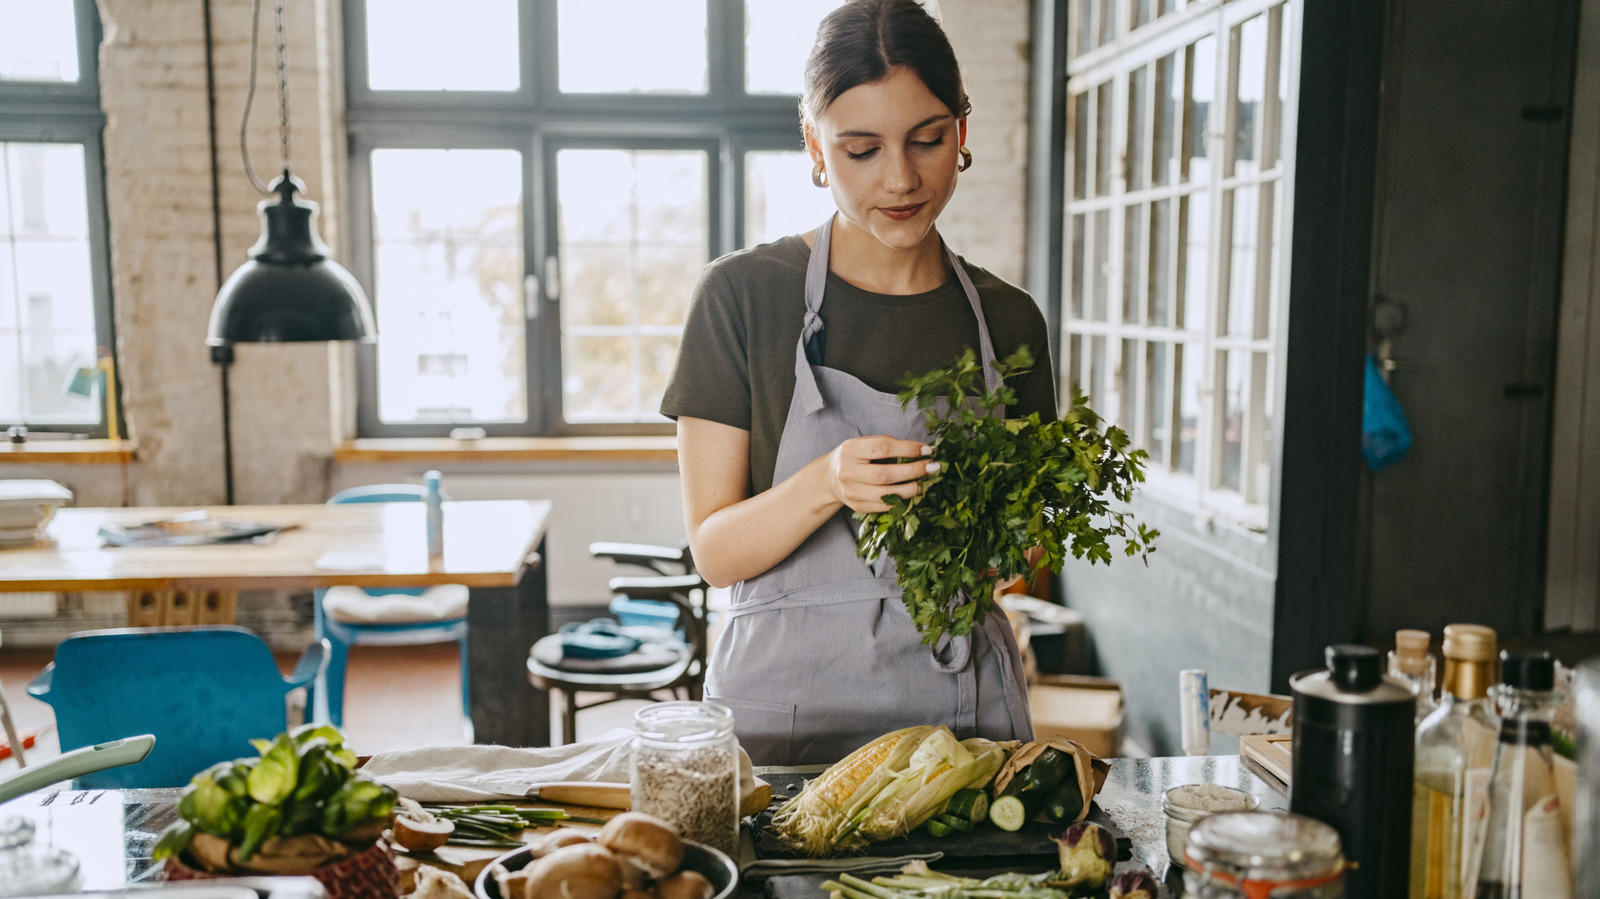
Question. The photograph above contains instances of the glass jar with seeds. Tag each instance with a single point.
(686, 770)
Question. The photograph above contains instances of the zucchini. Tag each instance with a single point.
(969, 805)
(954, 823)
(936, 828)
(1047, 771)
(1009, 813)
(1066, 802)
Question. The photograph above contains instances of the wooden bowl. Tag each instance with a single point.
(713, 863)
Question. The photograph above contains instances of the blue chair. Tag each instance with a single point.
(204, 691)
(391, 616)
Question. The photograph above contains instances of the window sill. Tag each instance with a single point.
(509, 449)
(68, 452)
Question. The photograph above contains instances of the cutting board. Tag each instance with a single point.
(986, 841)
(1270, 751)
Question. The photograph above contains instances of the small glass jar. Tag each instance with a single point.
(1263, 855)
(685, 763)
(29, 870)
(1186, 804)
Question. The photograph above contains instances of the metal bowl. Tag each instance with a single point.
(713, 863)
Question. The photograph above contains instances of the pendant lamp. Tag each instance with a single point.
(289, 290)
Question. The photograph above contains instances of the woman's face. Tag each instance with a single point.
(890, 150)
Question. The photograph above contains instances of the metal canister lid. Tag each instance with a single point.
(1265, 846)
(1354, 676)
(1469, 643)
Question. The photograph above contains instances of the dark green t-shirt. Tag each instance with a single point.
(736, 363)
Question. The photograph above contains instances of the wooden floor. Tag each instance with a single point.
(396, 697)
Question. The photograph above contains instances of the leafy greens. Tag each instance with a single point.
(1004, 486)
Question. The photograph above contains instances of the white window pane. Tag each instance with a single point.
(1158, 403)
(1161, 275)
(1100, 271)
(447, 285)
(1135, 157)
(46, 187)
(1249, 95)
(1233, 373)
(1080, 144)
(1190, 362)
(47, 330)
(419, 46)
(1202, 87)
(1104, 162)
(779, 198)
(634, 235)
(1242, 285)
(38, 41)
(1135, 268)
(778, 37)
(1168, 117)
(49, 358)
(1077, 284)
(1195, 265)
(633, 46)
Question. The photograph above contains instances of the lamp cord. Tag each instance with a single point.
(283, 88)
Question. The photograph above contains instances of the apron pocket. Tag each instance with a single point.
(765, 729)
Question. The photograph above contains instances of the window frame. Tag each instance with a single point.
(70, 113)
(1113, 63)
(538, 121)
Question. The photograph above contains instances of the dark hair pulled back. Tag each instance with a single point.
(859, 42)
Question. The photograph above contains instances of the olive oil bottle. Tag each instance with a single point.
(1455, 748)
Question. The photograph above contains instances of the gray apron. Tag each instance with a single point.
(818, 655)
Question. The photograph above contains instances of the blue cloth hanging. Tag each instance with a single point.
(1385, 436)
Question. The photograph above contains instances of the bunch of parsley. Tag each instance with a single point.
(1003, 486)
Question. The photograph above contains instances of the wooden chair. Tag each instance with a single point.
(669, 659)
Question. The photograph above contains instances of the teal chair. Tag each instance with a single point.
(204, 691)
(391, 616)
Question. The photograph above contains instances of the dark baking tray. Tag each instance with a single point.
(987, 841)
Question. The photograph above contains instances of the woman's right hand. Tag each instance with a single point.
(859, 476)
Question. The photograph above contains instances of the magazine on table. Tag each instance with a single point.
(189, 529)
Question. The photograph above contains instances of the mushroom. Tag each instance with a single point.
(685, 884)
(419, 830)
(581, 871)
(644, 841)
(558, 838)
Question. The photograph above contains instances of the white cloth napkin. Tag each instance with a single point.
(484, 773)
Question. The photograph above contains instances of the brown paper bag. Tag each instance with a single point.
(1091, 770)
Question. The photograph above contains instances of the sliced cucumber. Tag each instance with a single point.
(1009, 813)
(968, 805)
(937, 828)
(961, 824)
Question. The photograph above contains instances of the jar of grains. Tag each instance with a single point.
(1257, 855)
(686, 770)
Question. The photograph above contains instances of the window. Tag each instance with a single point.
(537, 184)
(1176, 245)
(54, 296)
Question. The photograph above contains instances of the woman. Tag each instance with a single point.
(784, 392)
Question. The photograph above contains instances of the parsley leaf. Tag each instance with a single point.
(1004, 485)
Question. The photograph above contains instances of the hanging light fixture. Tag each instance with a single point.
(289, 290)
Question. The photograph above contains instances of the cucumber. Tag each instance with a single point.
(954, 823)
(1009, 813)
(969, 805)
(1048, 770)
(1066, 802)
(936, 828)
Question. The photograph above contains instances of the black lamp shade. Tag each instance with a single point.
(290, 290)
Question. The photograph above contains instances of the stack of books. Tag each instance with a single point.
(25, 508)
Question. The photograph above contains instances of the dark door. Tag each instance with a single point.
(1466, 264)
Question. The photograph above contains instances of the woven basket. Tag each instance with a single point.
(369, 874)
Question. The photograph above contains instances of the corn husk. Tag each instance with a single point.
(885, 789)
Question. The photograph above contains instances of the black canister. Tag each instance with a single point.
(1352, 768)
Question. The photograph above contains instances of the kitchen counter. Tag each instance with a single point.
(112, 832)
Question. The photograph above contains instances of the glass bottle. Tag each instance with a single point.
(1455, 747)
(1411, 664)
(1523, 851)
(685, 763)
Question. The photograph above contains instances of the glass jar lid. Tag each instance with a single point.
(683, 722)
(1265, 846)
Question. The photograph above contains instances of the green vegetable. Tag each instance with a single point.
(359, 799)
(273, 779)
(968, 804)
(1047, 771)
(917, 881)
(1005, 486)
(951, 821)
(937, 828)
(1087, 854)
(1009, 813)
(259, 823)
(1066, 802)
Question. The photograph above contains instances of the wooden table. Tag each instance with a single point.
(494, 547)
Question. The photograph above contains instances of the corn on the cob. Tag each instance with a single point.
(884, 789)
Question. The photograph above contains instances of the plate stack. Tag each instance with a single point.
(25, 508)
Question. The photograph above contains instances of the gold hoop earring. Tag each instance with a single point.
(819, 176)
(966, 160)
